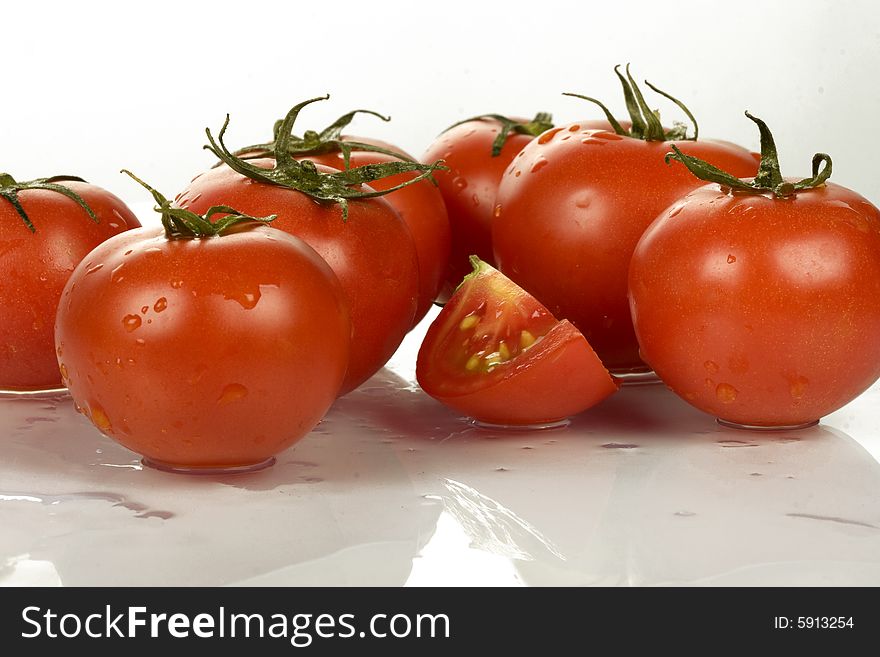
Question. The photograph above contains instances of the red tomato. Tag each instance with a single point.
(497, 355)
(37, 264)
(421, 207)
(569, 212)
(372, 254)
(762, 310)
(204, 353)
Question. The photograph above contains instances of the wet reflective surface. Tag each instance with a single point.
(393, 489)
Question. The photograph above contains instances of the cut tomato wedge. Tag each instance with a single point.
(497, 355)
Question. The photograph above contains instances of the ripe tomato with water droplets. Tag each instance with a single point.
(495, 354)
(37, 264)
(762, 309)
(204, 353)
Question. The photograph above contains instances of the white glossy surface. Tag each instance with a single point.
(393, 489)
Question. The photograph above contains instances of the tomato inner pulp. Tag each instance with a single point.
(496, 322)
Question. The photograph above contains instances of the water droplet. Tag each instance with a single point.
(498, 210)
(731, 259)
(64, 374)
(144, 310)
(140, 342)
(99, 418)
(574, 128)
(475, 200)
(797, 386)
(131, 322)
(92, 270)
(547, 136)
(247, 299)
(726, 393)
(232, 393)
(518, 173)
(160, 305)
(608, 136)
(589, 141)
(537, 166)
(177, 284)
(127, 252)
(711, 366)
(674, 211)
(459, 183)
(116, 275)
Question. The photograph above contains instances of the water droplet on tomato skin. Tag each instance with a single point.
(140, 342)
(498, 210)
(475, 200)
(726, 393)
(232, 393)
(675, 211)
(144, 310)
(547, 136)
(537, 166)
(797, 386)
(731, 259)
(160, 305)
(99, 418)
(247, 299)
(93, 269)
(177, 284)
(711, 366)
(574, 128)
(459, 183)
(608, 136)
(131, 322)
(116, 275)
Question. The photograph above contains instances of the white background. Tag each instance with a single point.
(91, 87)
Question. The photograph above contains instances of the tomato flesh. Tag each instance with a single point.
(497, 355)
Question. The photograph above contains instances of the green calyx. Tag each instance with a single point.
(184, 224)
(769, 178)
(646, 123)
(329, 140)
(9, 189)
(303, 176)
(542, 122)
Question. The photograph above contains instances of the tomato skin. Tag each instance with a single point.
(213, 352)
(372, 254)
(557, 376)
(421, 207)
(761, 311)
(35, 268)
(570, 210)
